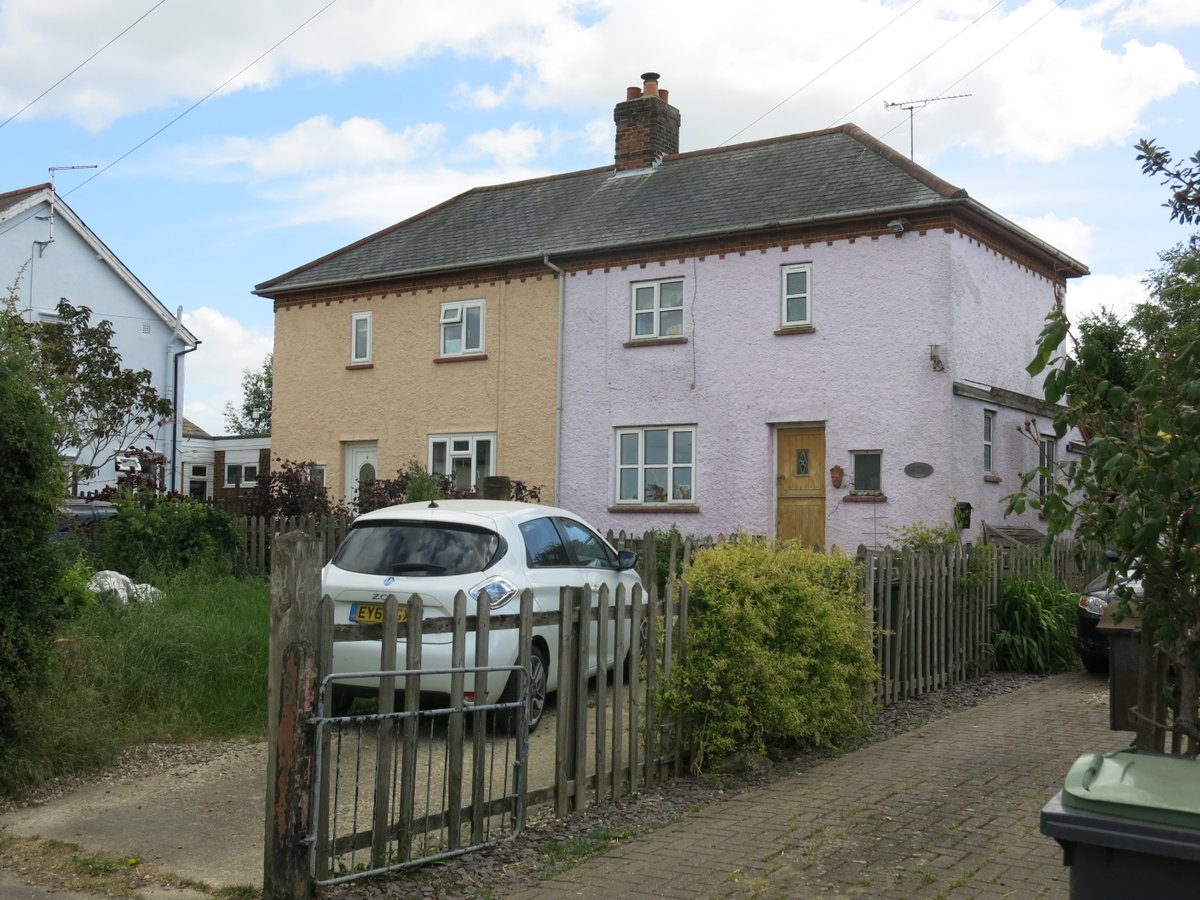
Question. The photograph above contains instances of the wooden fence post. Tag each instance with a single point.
(295, 650)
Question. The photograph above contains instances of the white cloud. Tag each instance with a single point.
(1045, 81)
(213, 374)
(318, 144)
(1163, 14)
(1071, 236)
(1117, 293)
(487, 97)
(515, 146)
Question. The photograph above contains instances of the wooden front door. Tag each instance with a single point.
(800, 485)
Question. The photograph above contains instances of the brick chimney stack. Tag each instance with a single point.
(647, 126)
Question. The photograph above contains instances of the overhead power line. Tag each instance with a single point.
(82, 64)
(279, 43)
(826, 70)
(17, 221)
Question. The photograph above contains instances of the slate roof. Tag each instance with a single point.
(819, 176)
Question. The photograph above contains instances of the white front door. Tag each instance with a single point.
(361, 465)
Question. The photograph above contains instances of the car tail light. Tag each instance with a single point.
(498, 590)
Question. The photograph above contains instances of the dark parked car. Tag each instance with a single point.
(76, 514)
(1093, 602)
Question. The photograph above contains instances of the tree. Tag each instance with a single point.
(1182, 180)
(1137, 488)
(254, 419)
(31, 487)
(99, 407)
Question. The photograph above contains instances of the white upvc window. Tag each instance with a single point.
(239, 475)
(868, 472)
(462, 326)
(795, 302)
(360, 338)
(656, 465)
(466, 458)
(1047, 457)
(316, 474)
(657, 310)
(989, 429)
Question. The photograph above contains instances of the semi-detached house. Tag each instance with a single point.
(807, 337)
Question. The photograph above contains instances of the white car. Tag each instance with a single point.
(489, 547)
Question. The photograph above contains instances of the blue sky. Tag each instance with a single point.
(377, 109)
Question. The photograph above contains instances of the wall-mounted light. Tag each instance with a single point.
(935, 357)
(898, 226)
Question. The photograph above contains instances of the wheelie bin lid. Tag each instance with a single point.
(1151, 787)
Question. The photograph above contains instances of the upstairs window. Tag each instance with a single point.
(360, 338)
(657, 310)
(795, 308)
(656, 465)
(1047, 456)
(462, 327)
(989, 427)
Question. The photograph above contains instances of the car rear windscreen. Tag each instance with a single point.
(418, 549)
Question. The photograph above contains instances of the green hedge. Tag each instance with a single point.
(779, 652)
(31, 486)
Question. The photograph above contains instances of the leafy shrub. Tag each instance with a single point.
(411, 484)
(414, 484)
(779, 651)
(1035, 626)
(31, 487)
(919, 536)
(73, 590)
(154, 535)
(288, 490)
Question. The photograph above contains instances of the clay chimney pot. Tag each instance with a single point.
(633, 93)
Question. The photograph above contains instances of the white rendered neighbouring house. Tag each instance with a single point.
(49, 254)
(809, 337)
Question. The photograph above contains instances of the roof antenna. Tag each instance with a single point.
(54, 170)
(910, 105)
(432, 505)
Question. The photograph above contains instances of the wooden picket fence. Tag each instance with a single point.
(259, 532)
(931, 610)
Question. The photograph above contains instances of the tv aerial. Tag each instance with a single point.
(912, 105)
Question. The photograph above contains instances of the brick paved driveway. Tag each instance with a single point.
(949, 810)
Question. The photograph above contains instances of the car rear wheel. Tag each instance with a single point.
(539, 664)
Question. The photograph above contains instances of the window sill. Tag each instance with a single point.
(865, 498)
(655, 342)
(992, 479)
(796, 329)
(466, 357)
(356, 366)
(654, 508)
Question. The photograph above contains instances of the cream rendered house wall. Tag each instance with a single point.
(321, 403)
